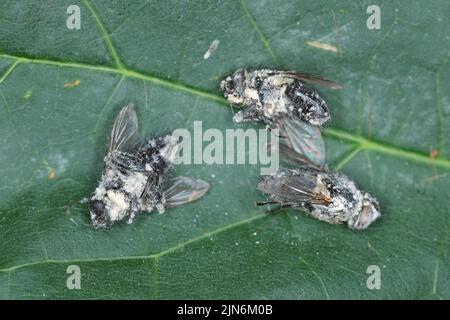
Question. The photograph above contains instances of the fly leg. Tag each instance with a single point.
(282, 205)
(258, 204)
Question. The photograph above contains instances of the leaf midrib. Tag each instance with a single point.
(154, 256)
(359, 141)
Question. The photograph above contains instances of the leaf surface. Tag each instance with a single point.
(394, 109)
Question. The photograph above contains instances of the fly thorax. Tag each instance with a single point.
(341, 191)
(275, 103)
(117, 205)
(348, 197)
(236, 100)
(251, 94)
(322, 187)
(341, 205)
(279, 81)
(135, 183)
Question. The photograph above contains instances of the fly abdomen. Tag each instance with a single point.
(308, 105)
(327, 196)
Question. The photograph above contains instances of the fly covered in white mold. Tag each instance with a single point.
(136, 177)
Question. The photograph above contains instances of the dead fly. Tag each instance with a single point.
(135, 177)
(268, 95)
(327, 196)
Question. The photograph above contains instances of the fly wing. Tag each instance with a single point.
(181, 190)
(301, 140)
(309, 78)
(294, 187)
(125, 129)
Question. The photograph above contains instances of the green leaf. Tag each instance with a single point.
(393, 110)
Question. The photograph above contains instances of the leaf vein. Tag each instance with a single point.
(154, 257)
(348, 157)
(116, 87)
(367, 144)
(258, 30)
(317, 276)
(384, 148)
(8, 72)
(105, 34)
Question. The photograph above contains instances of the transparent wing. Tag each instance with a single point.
(181, 190)
(300, 140)
(310, 78)
(125, 129)
(294, 187)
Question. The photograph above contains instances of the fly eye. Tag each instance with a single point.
(231, 84)
(98, 207)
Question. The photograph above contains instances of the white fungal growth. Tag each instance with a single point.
(117, 205)
(212, 47)
(135, 183)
